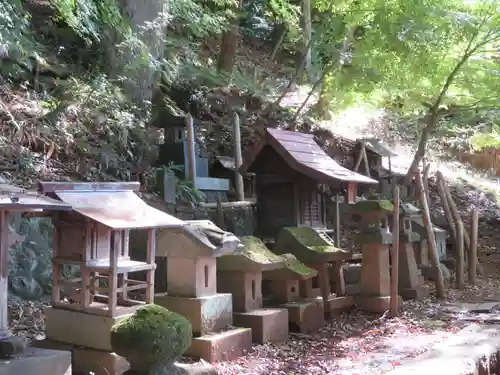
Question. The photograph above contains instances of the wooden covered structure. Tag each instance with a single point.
(14, 199)
(289, 168)
(224, 167)
(95, 238)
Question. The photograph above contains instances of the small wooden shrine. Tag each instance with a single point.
(374, 239)
(411, 281)
(191, 253)
(305, 315)
(290, 168)
(241, 275)
(15, 199)
(95, 238)
(316, 250)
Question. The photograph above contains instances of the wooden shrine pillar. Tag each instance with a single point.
(351, 193)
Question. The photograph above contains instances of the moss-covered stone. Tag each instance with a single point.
(307, 245)
(152, 338)
(294, 270)
(372, 205)
(254, 257)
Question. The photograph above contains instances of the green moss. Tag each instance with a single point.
(257, 251)
(373, 206)
(152, 335)
(298, 267)
(307, 236)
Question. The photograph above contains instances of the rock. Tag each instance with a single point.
(429, 274)
(151, 340)
(352, 273)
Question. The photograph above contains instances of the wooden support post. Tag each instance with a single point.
(151, 256)
(113, 276)
(447, 211)
(459, 265)
(238, 159)
(425, 181)
(339, 278)
(431, 240)
(190, 166)
(4, 274)
(337, 221)
(473, 246)
(394, 304)
(360, 158)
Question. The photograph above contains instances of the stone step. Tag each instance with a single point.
(473, 350)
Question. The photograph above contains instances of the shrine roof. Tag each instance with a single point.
(294, 270)
(254, 257)
(14, 198)
(115, 205)
(376, 146)
(303, 154)
(308, 246)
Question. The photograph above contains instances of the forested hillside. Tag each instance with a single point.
(86, 83)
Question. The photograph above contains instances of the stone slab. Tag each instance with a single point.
(305, 316)
(195, 369)
(338, 305)
(472, 351)
(268, 325)
(207, 314)
(373, 304)
(76, 328)
(223, 346)
(89, 361)
(418, 293)
(35, 361)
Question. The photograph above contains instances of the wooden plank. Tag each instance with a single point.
(211, 184)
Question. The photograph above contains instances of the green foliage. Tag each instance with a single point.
(152, 335)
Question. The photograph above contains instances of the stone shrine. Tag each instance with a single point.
(305, 315)
(315, 249)
(411, 281)
(95, 238)
(191, 254)
(241, 275)
(374, 239)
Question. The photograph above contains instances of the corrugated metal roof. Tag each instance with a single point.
(118, 209)
(14, 198)
(307, 157)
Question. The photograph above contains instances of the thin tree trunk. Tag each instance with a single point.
(229, 46)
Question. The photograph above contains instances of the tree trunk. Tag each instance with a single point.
(229, 46)
(140, 76)
(306, 37)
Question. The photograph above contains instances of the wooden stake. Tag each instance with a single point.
(431, 240)
(238, 159)
(394, 304)
(447, 211)
(473, 247)
(425, 180)
(459, 265)
(337, 221)
(190, 164)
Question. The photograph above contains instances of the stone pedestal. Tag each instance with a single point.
(34, 361)
(82, 329)
(222, 346)
(305, 316)
(207, 314)
(375, 278)
(88, 361)
(268, 325)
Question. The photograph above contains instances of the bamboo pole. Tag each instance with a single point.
(473, 246)
(394, 303)
(459, 265)
(431, 240)
(238, 159)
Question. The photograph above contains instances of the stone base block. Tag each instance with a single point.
(372, 303)
(305, 316)
(89, 361)
(337, 305)
(35, 361)
(207, 314)
(76, 328)
(418, 293)
(223, 346)
(268, 325)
